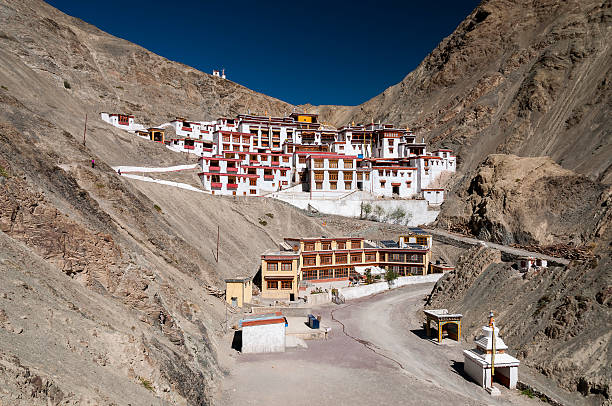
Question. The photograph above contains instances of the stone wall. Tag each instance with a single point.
(367, 290)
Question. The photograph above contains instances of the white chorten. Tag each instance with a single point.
(490, 354)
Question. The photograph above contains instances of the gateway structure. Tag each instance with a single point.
(326, 262)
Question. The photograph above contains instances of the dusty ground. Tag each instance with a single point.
(380, 358)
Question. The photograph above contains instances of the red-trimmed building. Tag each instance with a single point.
(304, 261)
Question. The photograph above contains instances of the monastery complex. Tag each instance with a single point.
(253, 155)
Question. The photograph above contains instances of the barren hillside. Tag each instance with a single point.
(509, 200)
(555, 320)
(103, 279)
(110, 74)
(523, 77)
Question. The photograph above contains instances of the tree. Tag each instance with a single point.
(368, 275)
(366, 209)
(390, 276)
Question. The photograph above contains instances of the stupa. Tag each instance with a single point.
(489, 358)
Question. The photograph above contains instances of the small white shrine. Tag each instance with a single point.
(489, 359)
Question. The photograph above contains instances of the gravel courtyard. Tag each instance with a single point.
(376, 354)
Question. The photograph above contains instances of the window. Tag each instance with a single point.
(367, 176)
(309, 247)
(253, 182)
(355, 244)
(319, 186)
(226, 138)
(272, 284)
(272, 266)
(333, 176)
(355, 258)
(326, 259)
(326, 246)
(302, 160)
(333, 185)
(347, 185)
(326, 273)
(308, 275)
(341, 273)
(286, 266)
(396, 257)
(348, 163)
(318, 163)
(253, 191)
(286, 285)
(341, 258)
(348, 175)
(415, 258)
(359, 176)
(319, 176)
(333, 163)
(421, 241)
(341, 245)
(371, 257)
(310, 261)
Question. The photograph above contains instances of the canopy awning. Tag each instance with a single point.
(374, 270)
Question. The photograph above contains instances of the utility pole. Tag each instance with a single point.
(492, 347)
(85, 131)
(218, 231)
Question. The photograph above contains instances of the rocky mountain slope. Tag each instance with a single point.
(523, 77)
(514, 200)
(110, 74)
(556, 320)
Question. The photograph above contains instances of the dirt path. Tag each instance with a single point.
(503, 248)
(372, 357)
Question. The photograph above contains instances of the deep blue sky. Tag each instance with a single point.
(319, 52)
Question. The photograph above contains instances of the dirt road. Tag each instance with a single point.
(376, 355)
(503, 248)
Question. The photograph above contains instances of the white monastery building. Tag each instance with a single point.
(253, 155)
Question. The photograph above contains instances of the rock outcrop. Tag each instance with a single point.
(523, 77)
(513, 200)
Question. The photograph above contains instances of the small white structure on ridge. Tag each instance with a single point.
(527, 263)
(219, 74)
(490, 355)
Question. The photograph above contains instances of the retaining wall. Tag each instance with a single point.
(418, 211)
(318, 298)
(286, 311)
(367, 290)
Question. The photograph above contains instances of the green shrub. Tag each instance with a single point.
(4, 87)
(528, 392)
(4, 173)
(397, 215)
(156, 207)
(263, 222)
(379, 213)
(270, 215)
(147, 384)
(67, 85)
(390, 275)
